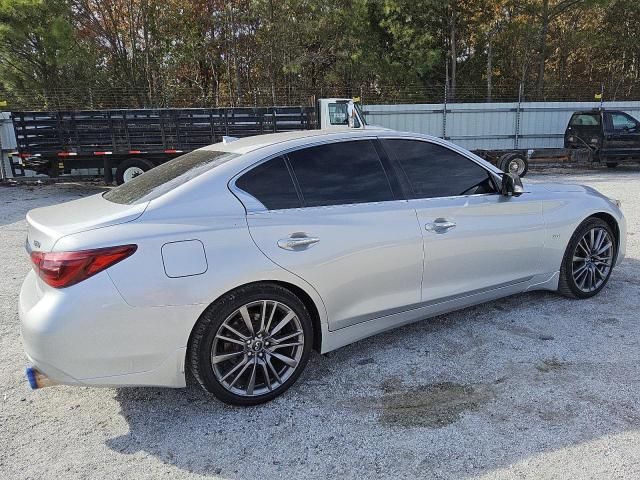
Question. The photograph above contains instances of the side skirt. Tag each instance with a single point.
(332, 340)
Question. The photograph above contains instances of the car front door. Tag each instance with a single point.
(341, 228)
(475, 239)
(623, 136)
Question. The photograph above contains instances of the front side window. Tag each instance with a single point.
(622, 121)
(340, 173)
(271, 184)
(436, 171)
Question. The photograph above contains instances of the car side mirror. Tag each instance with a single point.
(511, 185)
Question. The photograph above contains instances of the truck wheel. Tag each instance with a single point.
(612, 164)
(130, 168)
(514, 163)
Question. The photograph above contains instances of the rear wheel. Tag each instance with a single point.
(131, 168)
(251, 345)
(588, 260)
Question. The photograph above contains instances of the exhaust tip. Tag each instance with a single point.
(30, 372)
(37, 379)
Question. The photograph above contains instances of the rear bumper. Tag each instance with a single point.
(87, 335)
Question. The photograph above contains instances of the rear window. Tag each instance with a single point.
(585, 119)
(166, 177)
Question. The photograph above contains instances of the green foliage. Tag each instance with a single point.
(220, 52)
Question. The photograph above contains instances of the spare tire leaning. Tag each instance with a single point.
(514, 163)
(132, 167)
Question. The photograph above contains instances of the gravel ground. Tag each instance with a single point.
(531, 386)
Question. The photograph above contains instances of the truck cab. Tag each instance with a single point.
(340, 113)
(612, 135)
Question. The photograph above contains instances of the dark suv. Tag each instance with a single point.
(611, 134)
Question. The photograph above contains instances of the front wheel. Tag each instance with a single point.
(251, 345)
(588, 260)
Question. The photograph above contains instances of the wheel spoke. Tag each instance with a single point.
(252, 378)
(244, 313)
(287, 318)
(287, 337)
(265, 372)
(273, 312)
(223, 358)
(285, 345)
(286, 360)
(263, 315)
(234, 331)
(232, 340)
(603, 249)
(234, 369)
(584, 246)
(275, 373)
(578, 271)
(237, 377)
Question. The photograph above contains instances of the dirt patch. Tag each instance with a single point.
(551, 364)
(435, 405)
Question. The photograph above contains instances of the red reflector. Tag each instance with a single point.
(63, 269)
(135, 151)
(24, 155)
(172, 151)
(102, 153)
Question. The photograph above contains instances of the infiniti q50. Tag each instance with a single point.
(236, 260)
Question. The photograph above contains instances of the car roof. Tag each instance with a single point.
(249, 144)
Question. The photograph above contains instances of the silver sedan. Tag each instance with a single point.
(236, 260)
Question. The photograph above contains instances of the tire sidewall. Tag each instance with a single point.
(141, 163)
(209, 324)
(567, 261)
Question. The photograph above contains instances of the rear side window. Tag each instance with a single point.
(436, 171)
(340, 173)
(585, 119)
(166, 177)
(271, 184)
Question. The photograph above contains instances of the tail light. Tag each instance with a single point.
(63, 269)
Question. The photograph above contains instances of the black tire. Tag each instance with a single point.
(567, 285)
(612, 164)
(205, 331)
(507, 159)
(141, 163)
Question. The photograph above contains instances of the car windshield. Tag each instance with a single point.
(166, 177)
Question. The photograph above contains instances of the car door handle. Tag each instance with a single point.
(297, 243)
(439, 225)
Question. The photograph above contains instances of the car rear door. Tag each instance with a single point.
(341, 228)
(475, 239)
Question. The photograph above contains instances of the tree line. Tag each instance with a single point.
(263, 52)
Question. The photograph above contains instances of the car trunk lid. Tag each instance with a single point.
(47, 225)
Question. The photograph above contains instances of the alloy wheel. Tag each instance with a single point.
(592, 259)
(257, 348)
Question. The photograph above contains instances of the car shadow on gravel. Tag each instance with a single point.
(458, 395)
